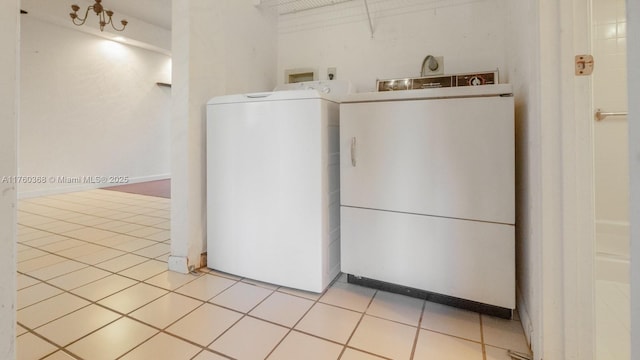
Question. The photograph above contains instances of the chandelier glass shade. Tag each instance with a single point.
(103, 15)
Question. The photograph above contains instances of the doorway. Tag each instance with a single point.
(611, 179)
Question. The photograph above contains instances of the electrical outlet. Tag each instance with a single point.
(332, 73)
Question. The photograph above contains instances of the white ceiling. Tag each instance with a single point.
(156, 12)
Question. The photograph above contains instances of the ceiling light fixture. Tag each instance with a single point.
(100, 12)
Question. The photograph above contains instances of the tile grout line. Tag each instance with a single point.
(484, 348)
(357, 324)
(292, 328)
(415, 340)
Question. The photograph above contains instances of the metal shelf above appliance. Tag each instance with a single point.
(295, 6)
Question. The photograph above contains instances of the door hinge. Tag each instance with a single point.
(584, 65)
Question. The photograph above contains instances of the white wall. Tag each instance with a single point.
(9, 13)
(469, 34)
(523, 73)
(221, 47)
(633, 56)
(611, 145)
(90, 107)
(138, 32)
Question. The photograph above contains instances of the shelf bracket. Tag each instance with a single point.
(366, 6)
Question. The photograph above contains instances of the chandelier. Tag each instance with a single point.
(100, 12)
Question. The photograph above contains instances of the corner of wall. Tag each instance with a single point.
(525, 318)
(179, 264)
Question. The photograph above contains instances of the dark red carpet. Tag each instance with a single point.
(158, 188)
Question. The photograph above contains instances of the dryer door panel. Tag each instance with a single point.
(442, 157)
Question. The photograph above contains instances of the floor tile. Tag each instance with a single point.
(204, 324)
(49, 239)
(241, 297)
(451, 321)
(148, 232)
(261, 284)
(161, 235)
(58, 269)
(129, 227)
(171, 280)
(20, 330)
(329, 322)
(507, 334)
(444, 347)
(117, 239)
(61, 245)
(262, 336)
(397, 307)
(494, 353)
(205, 287)
(79, 278)
(208, 355)
(81, 250)
(33, 220)
(166, 310)
(31, 265)
(63, 226)
(349, 296)
(77, 324)
(30, 254)
(24, 281)
(60, 355)
(301, 346)
(104, 287)
(113, 340)
(32, 235)
(85, 220)
(35, 294)
(282, 309)
(132, 298)
(222, 274)
(154, 251)
(100, 256)
(145, 270)
(163, 347)
(50, 309)
(123, 267)
(384, 337)
(351, 354)
(31, 347)
(89, 234)
(134, 245)
(121, 262)
(301, 293)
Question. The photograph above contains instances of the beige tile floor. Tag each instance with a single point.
(93, 284)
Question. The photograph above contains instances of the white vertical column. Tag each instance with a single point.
(219, 47)
(9, 35)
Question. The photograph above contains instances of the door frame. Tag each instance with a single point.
(568, 229)
(579, 194)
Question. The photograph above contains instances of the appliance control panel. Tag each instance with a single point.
(336, 87)
(428, 82)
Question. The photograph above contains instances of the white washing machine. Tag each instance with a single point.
(273, 184)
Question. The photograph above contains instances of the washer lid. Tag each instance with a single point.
(272, 96)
